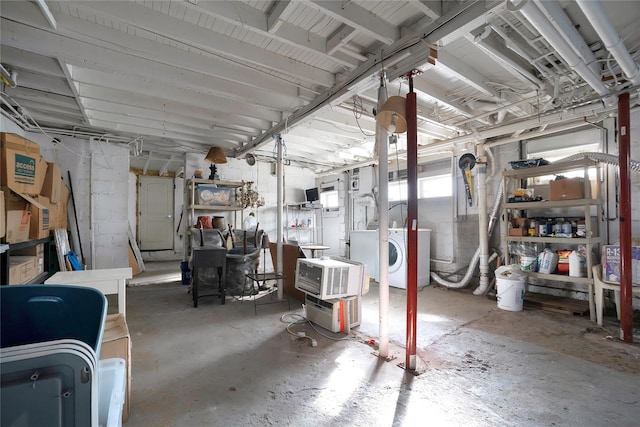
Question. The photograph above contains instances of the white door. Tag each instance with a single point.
(155, 215)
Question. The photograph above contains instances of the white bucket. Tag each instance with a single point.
(528, 263)
(510, 287)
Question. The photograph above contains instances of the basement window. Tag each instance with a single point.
(329, 200)
(429, 187)
(398, 191)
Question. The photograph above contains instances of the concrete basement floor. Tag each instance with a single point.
(223, 365)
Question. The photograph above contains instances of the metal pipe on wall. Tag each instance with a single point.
(624, 154)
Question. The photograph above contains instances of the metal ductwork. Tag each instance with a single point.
(594, 12)
(534, 15)
(601, 157)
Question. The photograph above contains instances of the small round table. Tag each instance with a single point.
(313, 248)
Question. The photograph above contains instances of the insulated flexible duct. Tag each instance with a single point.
(601, 157)
(476, 256)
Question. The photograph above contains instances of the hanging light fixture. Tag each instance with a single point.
(215, 156)
(392, 115)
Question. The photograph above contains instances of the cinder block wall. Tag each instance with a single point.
(99, 173)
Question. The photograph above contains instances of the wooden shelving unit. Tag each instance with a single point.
(192, 208)
(585, 207)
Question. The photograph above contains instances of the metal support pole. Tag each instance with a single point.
(624, 156)
(383, 228)
(412, 225)
(279, 213)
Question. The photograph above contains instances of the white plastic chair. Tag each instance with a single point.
(599, 286)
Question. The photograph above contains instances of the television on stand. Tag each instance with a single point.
(312, 195)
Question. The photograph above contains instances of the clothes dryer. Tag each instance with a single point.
(398, 257)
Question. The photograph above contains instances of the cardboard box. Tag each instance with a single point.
(3, 219)
(116, 342)
(567, 189)
(40, 216)
(518, 231)
(53, 216)
(36, 251)
(38, 207)
(52, 186)
(22, 169)
(611, 264)
(61, 216)
(215, 196)
(22, 269)
(520, 222)
(18, 223)
(18, 217)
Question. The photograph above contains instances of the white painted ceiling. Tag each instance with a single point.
(169, 77)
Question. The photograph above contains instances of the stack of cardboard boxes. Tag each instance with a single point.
(34, 201)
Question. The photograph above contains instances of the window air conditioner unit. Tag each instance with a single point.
(336, 315)
(329, 278)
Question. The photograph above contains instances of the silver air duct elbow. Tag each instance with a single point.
(601, 157)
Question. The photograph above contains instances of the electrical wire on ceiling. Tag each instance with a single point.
(29, 124)
(274, 151)
(358, 108)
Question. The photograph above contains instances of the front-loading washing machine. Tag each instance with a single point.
(398, 257)
(364, 249)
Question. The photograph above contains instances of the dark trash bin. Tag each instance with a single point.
(31, 314)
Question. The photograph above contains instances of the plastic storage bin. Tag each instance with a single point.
(50, 338)
(112, 376)
(36, 313)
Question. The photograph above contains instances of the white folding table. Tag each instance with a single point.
(108, 281)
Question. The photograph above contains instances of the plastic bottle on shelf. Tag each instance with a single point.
(576, 264)
(542, 228)
(550, 227)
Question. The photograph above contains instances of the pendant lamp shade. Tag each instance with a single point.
(392, 115)
(216, 155)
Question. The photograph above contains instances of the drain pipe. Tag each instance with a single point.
(594, 12)
(483, 219)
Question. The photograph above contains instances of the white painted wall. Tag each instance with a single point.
(100, 174)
